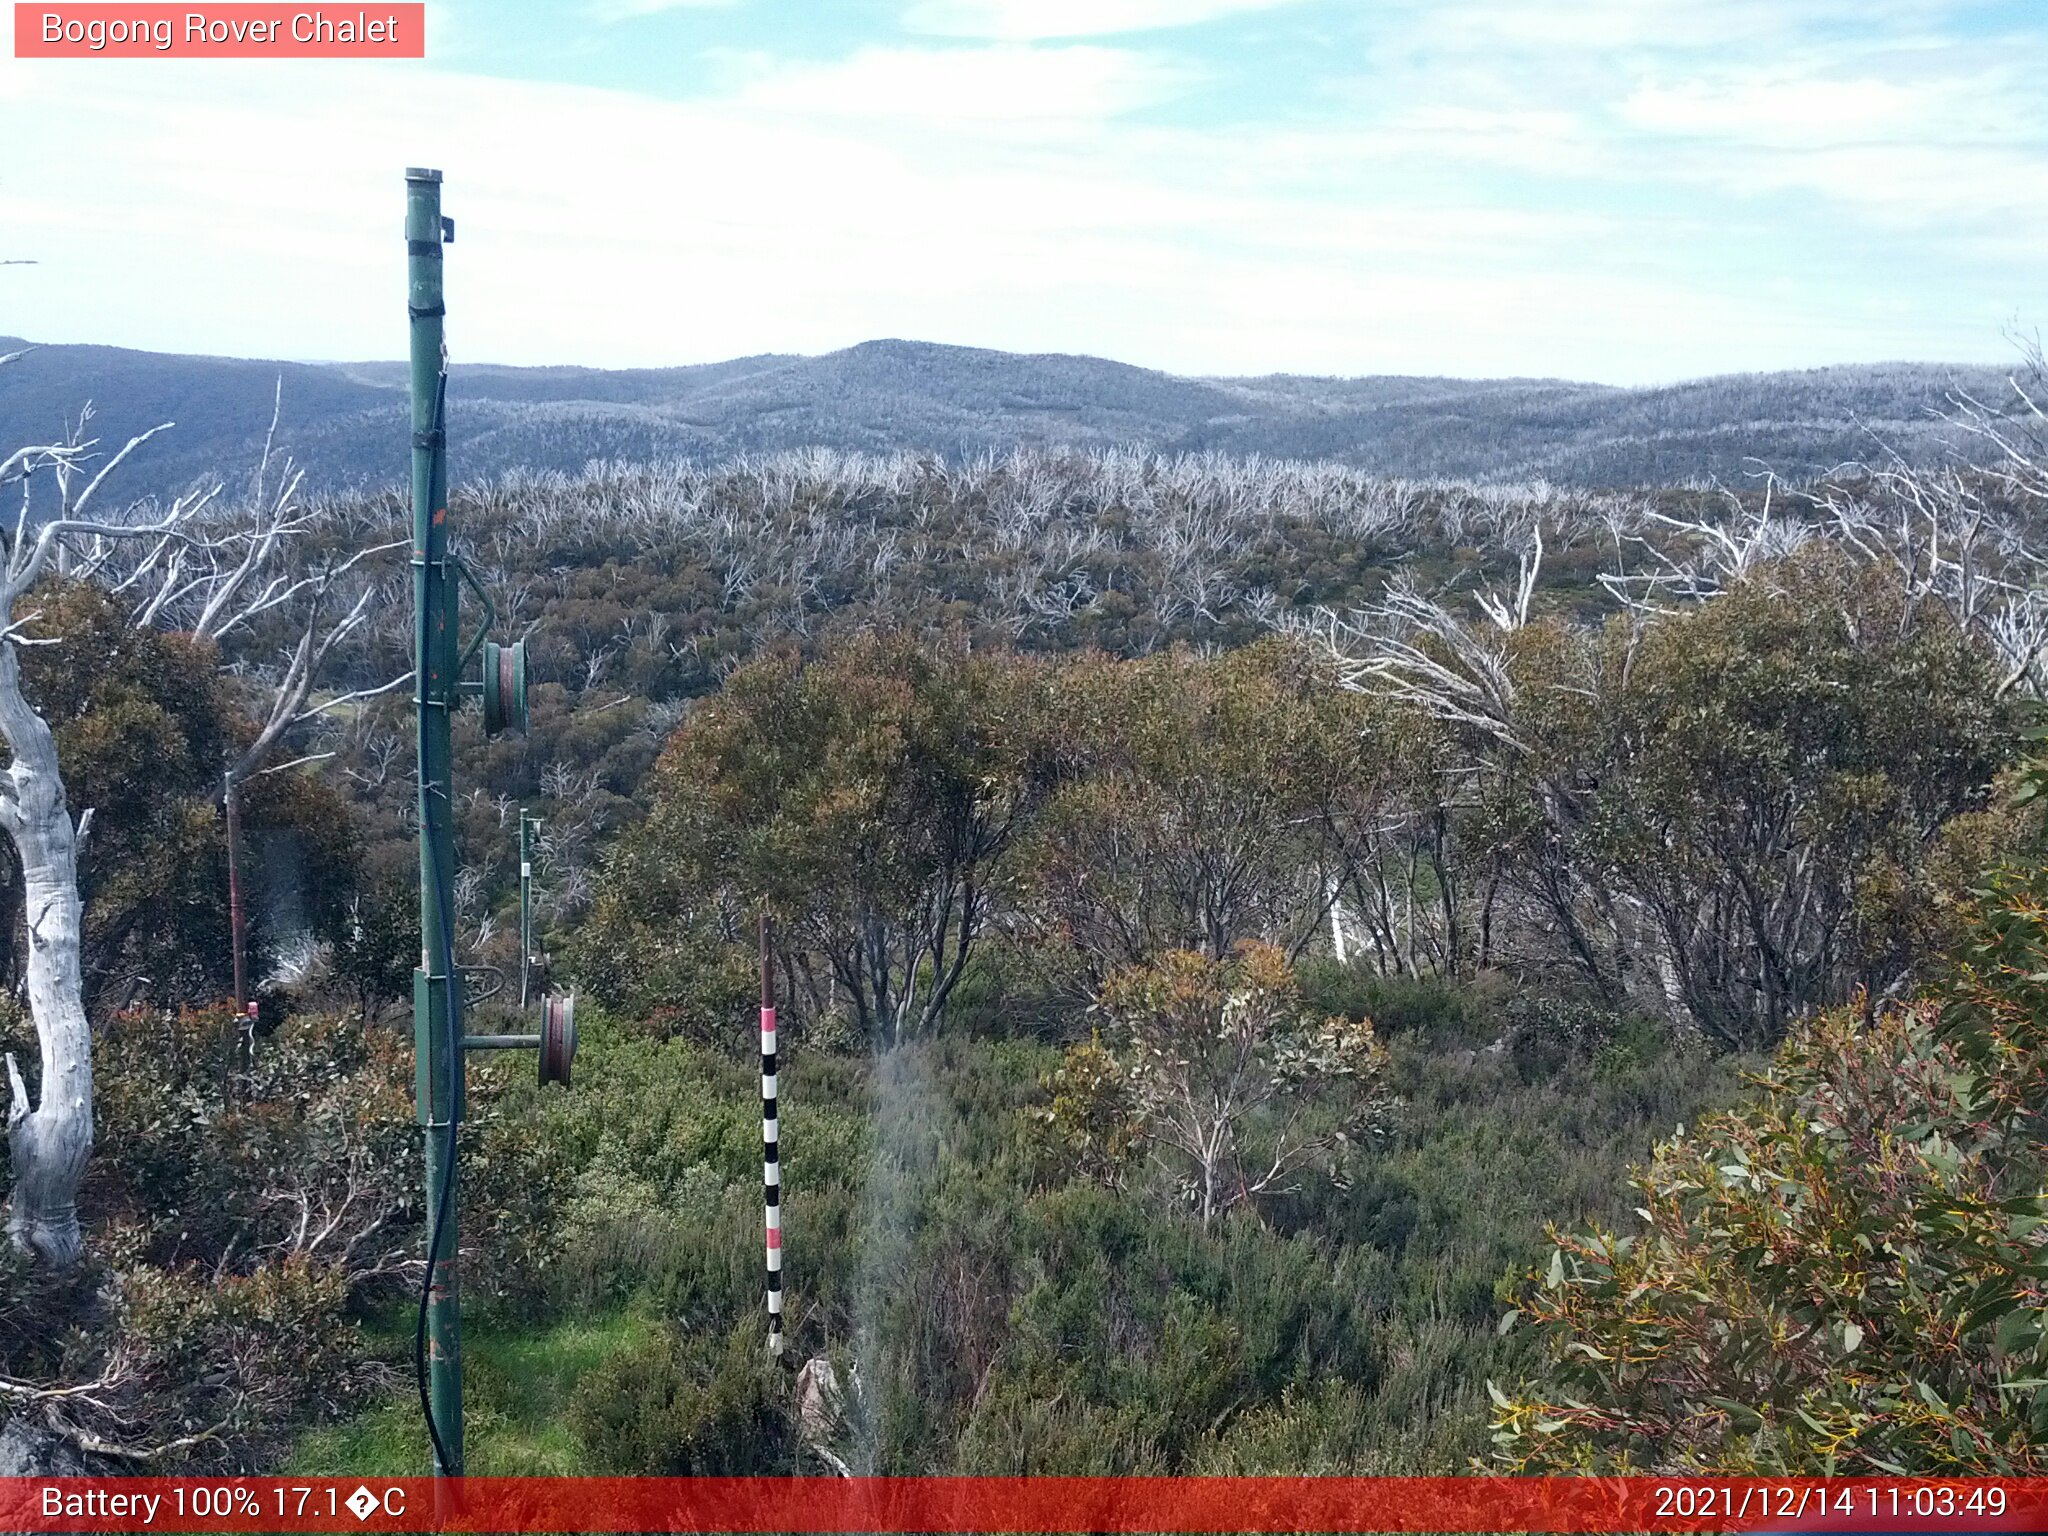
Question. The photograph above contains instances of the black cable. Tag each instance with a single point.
(446, 913)
(419, 1346)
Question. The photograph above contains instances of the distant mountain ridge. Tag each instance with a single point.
(345, 422)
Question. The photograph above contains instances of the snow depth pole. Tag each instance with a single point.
(437, 985)
(771, 1157)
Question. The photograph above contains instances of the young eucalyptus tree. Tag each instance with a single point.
(1233, 1084)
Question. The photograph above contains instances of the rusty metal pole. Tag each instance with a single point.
(529, 962)
(231, 805)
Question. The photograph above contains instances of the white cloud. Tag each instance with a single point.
(606, 228)
(1005, 83)
(630, 10)
(1871, 116)
(1809, 112)
(1025, 20)
(1745, 28)
(1527, 139)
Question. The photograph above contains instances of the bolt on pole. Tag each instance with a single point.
(437, 985)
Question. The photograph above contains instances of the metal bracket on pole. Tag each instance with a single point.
(468, 578)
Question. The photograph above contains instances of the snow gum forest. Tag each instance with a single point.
(1283, 969)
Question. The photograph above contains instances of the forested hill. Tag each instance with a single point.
(344, 422)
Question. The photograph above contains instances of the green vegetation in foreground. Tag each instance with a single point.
(518, 1379)
(1004, 1310)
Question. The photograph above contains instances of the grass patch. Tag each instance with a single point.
(517, 1381)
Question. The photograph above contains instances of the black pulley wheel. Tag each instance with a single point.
(504, 687)
(557, 1038)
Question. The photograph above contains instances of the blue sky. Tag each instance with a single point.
(1621, 190)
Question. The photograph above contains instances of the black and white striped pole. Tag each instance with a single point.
(771, 1157)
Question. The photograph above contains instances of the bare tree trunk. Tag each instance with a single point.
(51, 1142)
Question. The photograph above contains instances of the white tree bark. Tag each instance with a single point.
(50, 1141)
(50, 1137)
(50, 1132)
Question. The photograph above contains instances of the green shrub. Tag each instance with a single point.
(1438, 1011)
(242, 1359)
(251, 1202)
(1007, 1314)
(710, 1405)
(1844, 1274)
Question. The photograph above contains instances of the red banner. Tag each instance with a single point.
(1021, 1504)
(377, 31)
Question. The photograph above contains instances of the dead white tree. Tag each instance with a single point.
(50, 1138)
(1963, 537)
(1512, 613)
(1962, 540)
(191, 566)
(1412, 648)
(1692, 559)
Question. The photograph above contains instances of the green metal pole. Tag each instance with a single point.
(437, 996)
(527, 826)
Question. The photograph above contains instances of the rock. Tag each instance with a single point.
(818, 1399)
(26, 1450)
(821, 1411)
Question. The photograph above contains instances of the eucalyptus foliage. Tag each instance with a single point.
(1849, 1273)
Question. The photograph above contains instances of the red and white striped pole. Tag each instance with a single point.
(771, 1161)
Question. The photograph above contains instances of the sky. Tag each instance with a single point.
(1627, 191)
